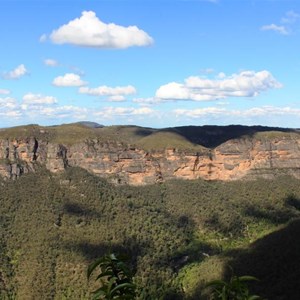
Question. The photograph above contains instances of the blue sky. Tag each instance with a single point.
(150, 63)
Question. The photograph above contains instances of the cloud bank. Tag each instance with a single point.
(244, 84)
(115, 94)
(109, 112)
(33, 99)
(264, 111)
(9, 108)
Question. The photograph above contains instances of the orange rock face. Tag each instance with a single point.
(123, 164)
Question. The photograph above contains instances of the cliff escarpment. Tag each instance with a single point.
(137, 156)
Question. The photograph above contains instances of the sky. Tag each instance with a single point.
(154, 63)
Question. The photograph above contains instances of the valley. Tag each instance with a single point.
(58, 216)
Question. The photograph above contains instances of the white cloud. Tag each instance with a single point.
(286, 22)
(207, 71)
(112, 92)
(9, 108)
(290, 17)
(17, 73)
(76, 70)
(147, 101)
(196, 113)
(221, 75)
(244, 84)
(110, 112)
(89, 31)
(277, 28)
(51, 62)
(37, 106)
(264, 111)
(43, 38)
(60, 112)
(12, 114)
(7, 102)
(37, 99)
(271, 110)
(117, 98)
(69, 79)
(4, 92)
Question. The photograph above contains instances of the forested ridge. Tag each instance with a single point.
(178, 234)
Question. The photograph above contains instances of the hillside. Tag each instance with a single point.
(178, 234)
(138, 156)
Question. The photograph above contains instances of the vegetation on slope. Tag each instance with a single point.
(185, 137)
(179, 234)
(166, 140)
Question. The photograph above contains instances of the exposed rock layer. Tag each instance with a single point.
(235, 159)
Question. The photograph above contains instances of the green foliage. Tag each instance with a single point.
(185, 138)
(176, 233)
(115, 278)
(271, 135)
(164, 139)
(235, 289)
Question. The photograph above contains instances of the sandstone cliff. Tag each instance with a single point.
(245, 157)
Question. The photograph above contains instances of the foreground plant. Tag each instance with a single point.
(115, 278)
(235, 289)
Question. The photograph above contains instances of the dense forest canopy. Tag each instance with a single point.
(179, 234)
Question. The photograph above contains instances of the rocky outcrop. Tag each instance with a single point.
(243, 158)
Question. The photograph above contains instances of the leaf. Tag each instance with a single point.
(254, 297)
(110, 284)
(93, 266)
(216, 283)
(113, 257)
(247, 278)
(115, 277)
(224, 296)
(98, 293)
(121, 286)
(103, 274)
